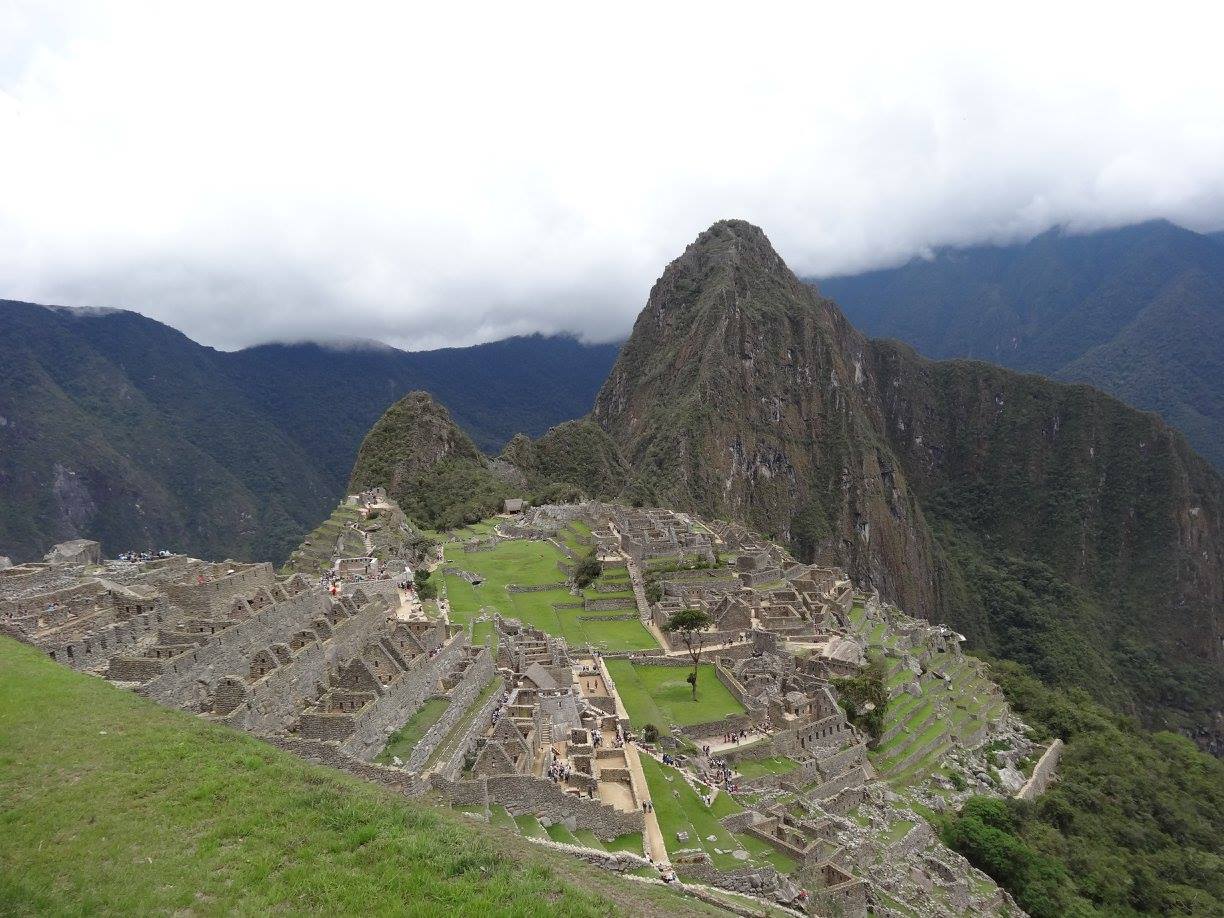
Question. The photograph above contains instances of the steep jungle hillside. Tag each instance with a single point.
(1048, 521)
(1136, 311)
(117, 427)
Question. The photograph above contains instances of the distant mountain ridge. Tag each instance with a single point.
(1136, 311)
(115, 426)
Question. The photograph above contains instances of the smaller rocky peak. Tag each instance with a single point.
(411, 437)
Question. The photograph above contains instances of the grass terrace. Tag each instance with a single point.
(111, 804)
(446, 748)
(679, 808)
(576, 537)
(659, 695)
(530, 563)
(318, 548)
(404, 740)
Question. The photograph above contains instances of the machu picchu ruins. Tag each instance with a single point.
(564, 712)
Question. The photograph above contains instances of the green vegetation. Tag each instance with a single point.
(530, 563)
(864, 698)
(1133, 825)
(425, 586)
(660, 695)
(404, 740)
(678, 808)
(571, 459)
(587, 569)
(110, 804)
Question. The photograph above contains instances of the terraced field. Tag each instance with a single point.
(317, 550)
(680, 809)
(917, 736)
(533, 563)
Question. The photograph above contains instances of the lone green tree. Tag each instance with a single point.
(588, 570)
(689, 625)
(425, 587)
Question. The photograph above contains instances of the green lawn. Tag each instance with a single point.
(679, 809)
(576, 536)
(110, 804)
(659, 694)
(534, 563)
(404, 740)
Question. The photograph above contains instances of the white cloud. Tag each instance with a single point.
(454, 173)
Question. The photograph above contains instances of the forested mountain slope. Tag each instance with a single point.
(117, 427)
(1136, 311)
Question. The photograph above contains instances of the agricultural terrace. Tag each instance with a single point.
(531, 563)
(687, 823)
(660, 695)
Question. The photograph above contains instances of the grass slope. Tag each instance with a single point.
(110, 804)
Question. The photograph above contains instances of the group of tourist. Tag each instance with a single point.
(135, 556)
(559, 770)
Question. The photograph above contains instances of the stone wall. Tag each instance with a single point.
(1043, 772)
(453, 767)
(406, 693)
(212, 598)
(475, 678)
(536, 796)
(320, 753)
(188, 680)
(536, 588)
(274, 702)
(760, 882)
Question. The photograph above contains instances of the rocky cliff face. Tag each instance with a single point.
(996, 500)
(741, 394)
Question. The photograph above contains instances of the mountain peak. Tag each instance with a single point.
(736, 242)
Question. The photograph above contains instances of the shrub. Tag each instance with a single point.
(587, 570)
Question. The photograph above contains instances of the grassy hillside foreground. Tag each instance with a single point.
(112, 804)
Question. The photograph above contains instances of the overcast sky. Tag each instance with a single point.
(457, 173)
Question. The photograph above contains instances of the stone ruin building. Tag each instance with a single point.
(535, 726)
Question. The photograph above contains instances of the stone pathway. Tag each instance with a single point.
(653, 835)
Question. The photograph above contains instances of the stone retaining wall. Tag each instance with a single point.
(453, 767)
(536, 588)
(321, 753)
(527, 795)
(461, 697)
(407, 692)
(610, 605)
(1043, 772)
